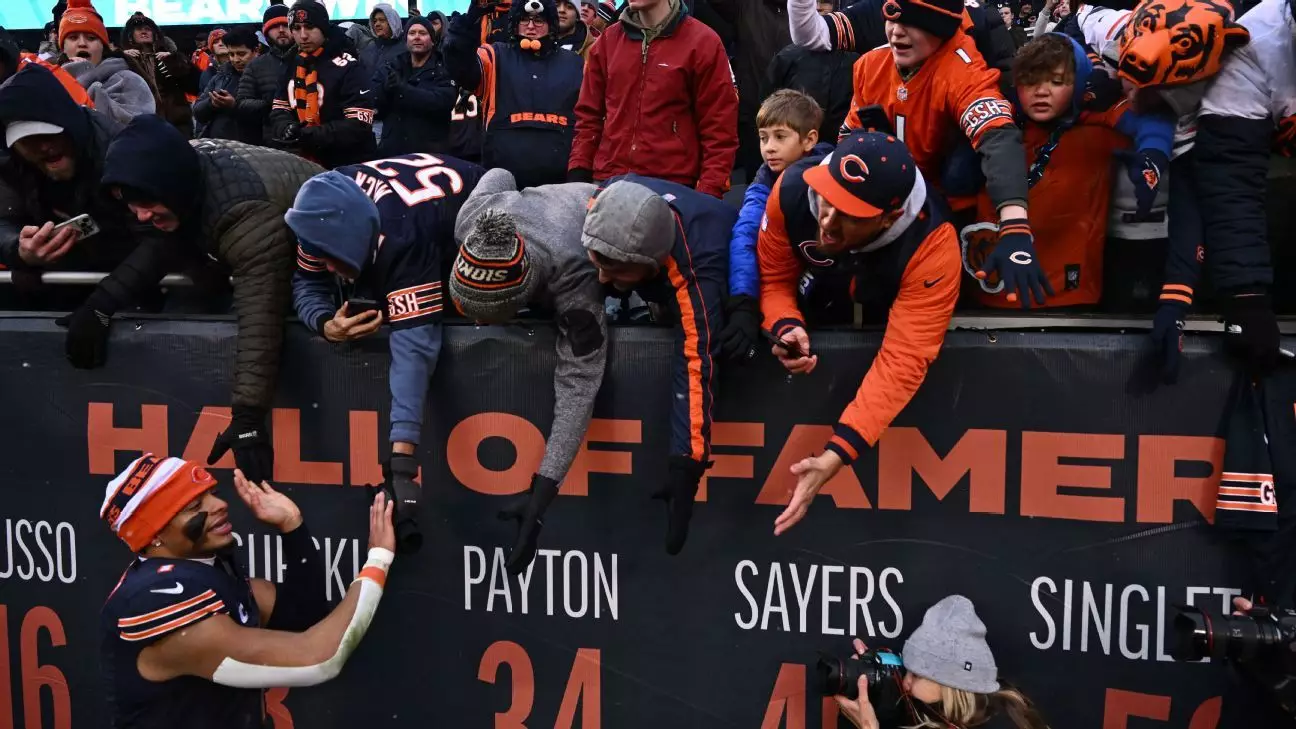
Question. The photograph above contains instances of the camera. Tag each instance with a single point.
(1262, 632)
(1260, 645)
(840, 676)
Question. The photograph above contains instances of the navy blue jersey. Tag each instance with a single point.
(155, 598)
(692, 284)
(418, 197)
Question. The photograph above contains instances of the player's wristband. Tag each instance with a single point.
(376, 566)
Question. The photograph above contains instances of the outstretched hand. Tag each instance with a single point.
(267, 505)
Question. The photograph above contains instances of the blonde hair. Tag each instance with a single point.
(794, 109)
(969, 710)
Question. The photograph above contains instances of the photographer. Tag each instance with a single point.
(950, 680)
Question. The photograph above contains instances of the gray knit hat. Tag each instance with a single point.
(950, 648)
(630, 223)
(492, 276)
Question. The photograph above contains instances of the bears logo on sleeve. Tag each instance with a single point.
(981, 115)
(414, 302)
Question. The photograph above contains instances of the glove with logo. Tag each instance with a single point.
(87, 337)
(678, 493)
(1251, 332)
(247, 435)
(741, 333)
(1014, 260)
(404, 491)
(528, 510)
(1145, 168)
(1167, 338)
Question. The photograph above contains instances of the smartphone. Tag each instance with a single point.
(84, 224)
(356, 305)
(792, 349)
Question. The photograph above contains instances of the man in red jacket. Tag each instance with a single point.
(658, 99)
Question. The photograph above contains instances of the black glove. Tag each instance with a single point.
(1251, 332)
(401, 488)
(873, 118)
(1145, 168)
(477, 11)
(392, 81)
(579, 174)
(528, 510)
(741, 333)
(1017, 264)
(678, 493)
(290, 136)
(87, 337)
(247, 435)
(1167, 339)
(308, 137)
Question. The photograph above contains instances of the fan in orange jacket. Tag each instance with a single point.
(1070, 175)
(931, 86)
(859, 227)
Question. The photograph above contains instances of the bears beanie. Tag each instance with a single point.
(630, 223)
(81, 17)
(309, 12)
(941, 18)
(492, 276)
(332, 217)
(950, 648)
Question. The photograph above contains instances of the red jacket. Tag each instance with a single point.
(668, 111)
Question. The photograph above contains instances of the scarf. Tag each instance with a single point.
(306, 91)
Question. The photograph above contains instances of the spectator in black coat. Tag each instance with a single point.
(414, 95)
(825, 75)
(216, 110)
(261, 79)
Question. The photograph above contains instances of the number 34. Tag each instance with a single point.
(429, 168)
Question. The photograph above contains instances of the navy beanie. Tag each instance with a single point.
(420, 20)
(151, 161)
(333, 218)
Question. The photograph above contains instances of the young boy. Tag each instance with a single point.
(1068, 171)
(788, 123)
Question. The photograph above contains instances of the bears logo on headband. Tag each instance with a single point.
(1177, 42)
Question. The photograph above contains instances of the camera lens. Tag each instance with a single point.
(837, 677)
(1200, 635)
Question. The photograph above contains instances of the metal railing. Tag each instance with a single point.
(988, 321)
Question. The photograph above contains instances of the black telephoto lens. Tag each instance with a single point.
(838, 677)
(1201, 635)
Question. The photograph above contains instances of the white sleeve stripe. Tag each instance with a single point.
(179, 622)
(164, 612)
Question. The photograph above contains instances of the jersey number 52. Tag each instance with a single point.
(414, 177)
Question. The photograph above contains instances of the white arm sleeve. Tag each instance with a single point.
(807, 26)
(238, 674)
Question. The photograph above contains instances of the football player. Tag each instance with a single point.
(188, 639)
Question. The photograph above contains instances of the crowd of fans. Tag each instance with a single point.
(1062, 143)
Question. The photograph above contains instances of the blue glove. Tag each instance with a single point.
(1167, 339)
(1145, 169)
(1014, 260)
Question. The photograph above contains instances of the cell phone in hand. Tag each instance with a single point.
(792, 349)
(84, 224)
(357, 306)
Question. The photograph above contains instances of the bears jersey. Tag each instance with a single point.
(418, 197)
(154, 599)
(952, 92)
(910, 275)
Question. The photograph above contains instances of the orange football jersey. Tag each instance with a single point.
(952, 92)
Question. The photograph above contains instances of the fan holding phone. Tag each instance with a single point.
(856, 232)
